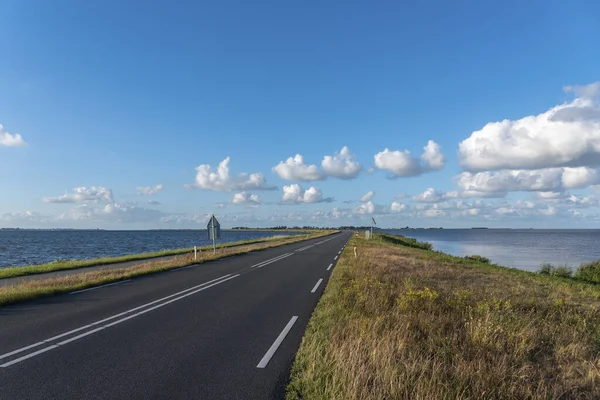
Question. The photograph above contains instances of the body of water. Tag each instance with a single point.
(520, 248)
(22, 247)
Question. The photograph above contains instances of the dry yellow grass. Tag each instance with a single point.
(406, 323)
(30, 289)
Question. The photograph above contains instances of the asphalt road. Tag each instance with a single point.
(227, 329)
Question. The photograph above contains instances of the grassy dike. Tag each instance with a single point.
(32, 289)
(405, 322)
(74, 264)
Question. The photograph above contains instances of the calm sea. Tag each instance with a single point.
(519, 248)
(36, 247)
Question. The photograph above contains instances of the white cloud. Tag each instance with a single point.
(6, 139)
(295, 194)
(112, 212)
(245, 198)
(368, 196)
(294, 169)
(221, 181)
(573, 178)
(549, 195)
(153, 202)
(367, 208)
(431, 195)
(93, 193)
(403, 164)
(542, 180)
(584, 91)
(402, 196)
(23, 217)
(341, 165)
(580, 202)
(567, 135)
(399, 207)
(149, 190)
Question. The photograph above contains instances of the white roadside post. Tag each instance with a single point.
(195, 253)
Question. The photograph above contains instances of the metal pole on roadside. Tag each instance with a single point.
(214, 231)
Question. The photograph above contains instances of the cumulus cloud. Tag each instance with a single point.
(402, 196)
(23, 216)
(93, 193)
(6, 139)
(149, 190)
(341, 165)
(247, 199)
(367, 208)
(127, 212)
(153, 202)
(368, 196)
(567, 135)
(431, 195)
(219, 180)
(399, 207)
(294, 169)
(295, 194)
(433, 213)
(542, 180)
(403, 164)
(549, 195)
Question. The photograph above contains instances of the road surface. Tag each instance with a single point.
(228, 329)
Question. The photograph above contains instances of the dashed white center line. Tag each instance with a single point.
(330, 265)
(335, 258)
(316, 286)
(267, 357)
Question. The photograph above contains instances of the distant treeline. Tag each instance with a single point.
(283, 227)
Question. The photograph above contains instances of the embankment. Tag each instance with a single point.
(404, 322)
(63, 265)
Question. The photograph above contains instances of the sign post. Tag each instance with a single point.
(214, 231)
(374, 223)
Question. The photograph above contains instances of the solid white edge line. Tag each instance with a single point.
(101, 286)
(317, 285)
(330, 265)
(267, 357)
(113, 323)
(106, 319)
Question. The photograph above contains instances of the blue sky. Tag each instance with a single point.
(110, 97)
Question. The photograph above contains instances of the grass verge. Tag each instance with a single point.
(12, 272)
(400, 322)
(32, 289)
